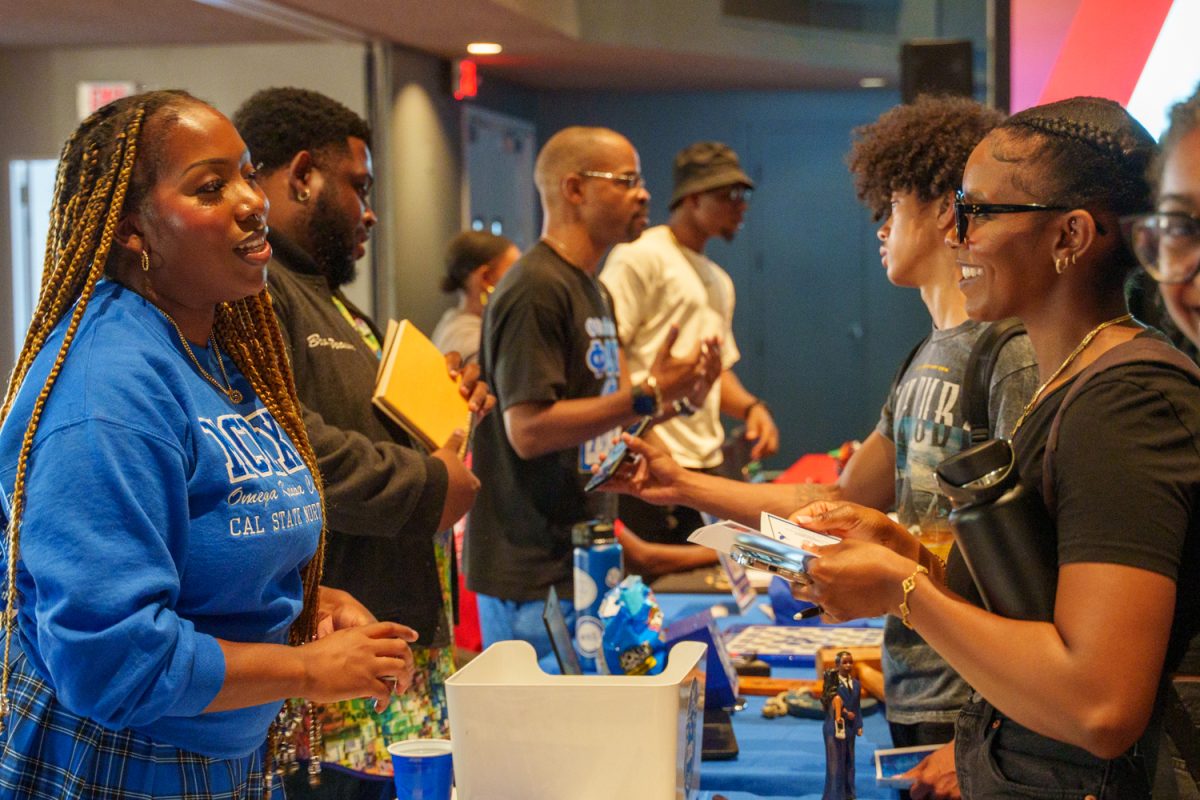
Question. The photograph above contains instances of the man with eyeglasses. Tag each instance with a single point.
(550, 346)
(664, 280)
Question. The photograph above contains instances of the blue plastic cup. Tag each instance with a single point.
(423, 769)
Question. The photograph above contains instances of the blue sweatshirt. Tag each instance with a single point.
(159, 518)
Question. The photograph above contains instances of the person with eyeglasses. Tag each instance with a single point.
(1167, 244)
(1167, 241)
(1123, 491)
(551, 352)
(663, 281)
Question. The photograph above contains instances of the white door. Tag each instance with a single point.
(31, 185)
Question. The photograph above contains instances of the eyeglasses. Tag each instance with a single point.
(631, 180)
(963, 212)
(1167, 244)
(734, 194)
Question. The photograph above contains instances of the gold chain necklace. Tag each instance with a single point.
(1066, 363)
(233, 394)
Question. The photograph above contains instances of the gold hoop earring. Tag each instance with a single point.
(145, 260)
(302, 196)
(1074, 256)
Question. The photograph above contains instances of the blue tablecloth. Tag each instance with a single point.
(781, 758)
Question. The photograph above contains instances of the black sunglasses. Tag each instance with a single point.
(1166, 243)
(963, 212)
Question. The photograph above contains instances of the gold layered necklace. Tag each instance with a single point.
(233, 394)
(1066, 363)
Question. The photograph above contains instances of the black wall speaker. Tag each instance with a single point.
(943, 66)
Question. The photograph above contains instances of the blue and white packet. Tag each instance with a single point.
(633, 642)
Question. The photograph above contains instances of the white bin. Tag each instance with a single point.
(520, 734)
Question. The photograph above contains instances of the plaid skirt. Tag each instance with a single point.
(49, 753)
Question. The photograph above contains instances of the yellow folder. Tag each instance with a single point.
(414, 389)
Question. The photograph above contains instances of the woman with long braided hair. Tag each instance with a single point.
(1069, 703)
(162, 509)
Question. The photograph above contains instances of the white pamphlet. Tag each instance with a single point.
(723, 535)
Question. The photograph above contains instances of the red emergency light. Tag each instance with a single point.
(466, 79)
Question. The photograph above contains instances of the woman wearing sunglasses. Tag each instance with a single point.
(1068, 707)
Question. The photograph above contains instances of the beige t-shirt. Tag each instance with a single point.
(656, 282)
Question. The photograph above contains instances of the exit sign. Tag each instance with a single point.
(91, 95)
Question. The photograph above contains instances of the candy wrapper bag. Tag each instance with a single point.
(633, 641)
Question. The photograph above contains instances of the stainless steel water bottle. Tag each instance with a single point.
(599, 566)
(1003, 531)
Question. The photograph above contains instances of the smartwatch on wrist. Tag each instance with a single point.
(647, 400)
(643, 402)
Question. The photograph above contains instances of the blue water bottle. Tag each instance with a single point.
(599, 566)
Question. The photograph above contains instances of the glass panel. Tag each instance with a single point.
(31, 184)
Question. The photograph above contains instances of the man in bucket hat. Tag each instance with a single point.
(663, 280)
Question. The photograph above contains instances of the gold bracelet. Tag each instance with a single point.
(934, 560)
(908, 585)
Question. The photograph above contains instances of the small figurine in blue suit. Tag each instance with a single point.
(841, 697)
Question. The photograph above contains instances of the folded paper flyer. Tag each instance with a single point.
(779, 546)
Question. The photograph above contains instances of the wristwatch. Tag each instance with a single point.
(647, 400)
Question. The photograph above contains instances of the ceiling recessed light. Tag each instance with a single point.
(484, 48)
(872, 83)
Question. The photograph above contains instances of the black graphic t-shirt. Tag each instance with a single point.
(548, 335)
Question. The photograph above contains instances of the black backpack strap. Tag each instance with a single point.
(1152, 348)
(977, 377)
(904, 366)
(1146, 348)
